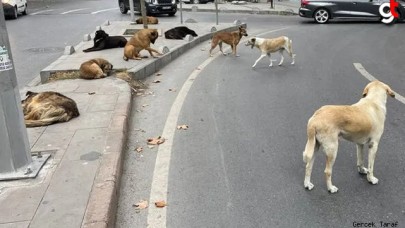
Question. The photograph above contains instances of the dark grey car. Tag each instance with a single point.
(323, 10)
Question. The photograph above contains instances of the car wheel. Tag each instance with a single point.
(171, 14)
(321, 16)
(123, 9)
(14, 13)
(196, 1)
(25, 10)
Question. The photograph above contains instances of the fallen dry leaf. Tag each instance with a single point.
(172, 90)
(143, 204)
(182, 127)
(158, 74)
(92, 93)
(156, 141)
(139, 149)
(198, 68)
(156, 81)
(151, 147)
(145, 105)
(161, 203)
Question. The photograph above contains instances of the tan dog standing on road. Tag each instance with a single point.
(268, 46)
(231, 38)
(42, 109)
(95, 69)
(361, 123)
(150, 20)
(139, 41)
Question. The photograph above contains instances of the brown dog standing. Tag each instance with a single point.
(231, 38)
(42, 109)
(139, 41)
(150, 20)
(95, 69)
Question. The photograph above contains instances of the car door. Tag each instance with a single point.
(367, 8)
(343, 8)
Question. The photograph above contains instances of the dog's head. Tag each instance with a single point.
(378, 87)
(251, 42)
(100, 34)
(153, 35)
(139, 20)
(242, 31)
(191, 32)
(105, 66)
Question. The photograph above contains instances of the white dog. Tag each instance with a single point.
(361, 123)
(268, 46)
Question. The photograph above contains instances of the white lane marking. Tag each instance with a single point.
(75, 10)
(157, 216)
(42, 11)
(370, 77)
(100, 11)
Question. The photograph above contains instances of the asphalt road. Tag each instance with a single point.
(240, 162)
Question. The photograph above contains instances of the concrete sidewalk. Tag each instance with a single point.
(78, 186)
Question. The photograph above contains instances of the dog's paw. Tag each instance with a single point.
(333, 189)
(372, 180)
(362, 170)
(308, 185)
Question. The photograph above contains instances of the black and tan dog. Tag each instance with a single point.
(104, 41)
(42, 109)
(139, 41)
(178, 33)
(95, 69)
(231, 38)
(150, 20)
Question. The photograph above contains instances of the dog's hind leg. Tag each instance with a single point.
(282, 57)
(214, 43)
(261, 57)
(311, 147)
(220, 48)
(360, 159)
(330, 151)
(372, 151)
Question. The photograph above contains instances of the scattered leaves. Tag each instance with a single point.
(156, 141)
(160, 204)
(143, 204)
(92, 93)
(139, 149)
(182, 127)
(156, 81)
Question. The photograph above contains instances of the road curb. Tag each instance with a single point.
(148, 69)
(250, 11)
(103, 199)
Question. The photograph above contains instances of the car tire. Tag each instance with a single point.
(14, 13)
(171, 14)
(321, 16)
(25, 10)
(196, 1)
(123, 9)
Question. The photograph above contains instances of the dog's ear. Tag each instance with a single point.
(30, 93)
(253, 41)
(365, 91)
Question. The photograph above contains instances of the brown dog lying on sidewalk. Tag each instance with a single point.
(95, 69)
(42, 109)
(149, 20)
(139, 41)
(361, 123)
(231, 38)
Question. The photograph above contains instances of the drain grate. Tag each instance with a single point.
(45, 50)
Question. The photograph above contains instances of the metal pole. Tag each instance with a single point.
(143, 12)
(15, 149)
(216, 11)
(16, 161)
(181, 11)
(131, 11)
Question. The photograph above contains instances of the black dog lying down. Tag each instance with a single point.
(178, 33)
(103, 41)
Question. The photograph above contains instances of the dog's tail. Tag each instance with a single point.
(290, 51)
(46, 121)
(311, 143)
